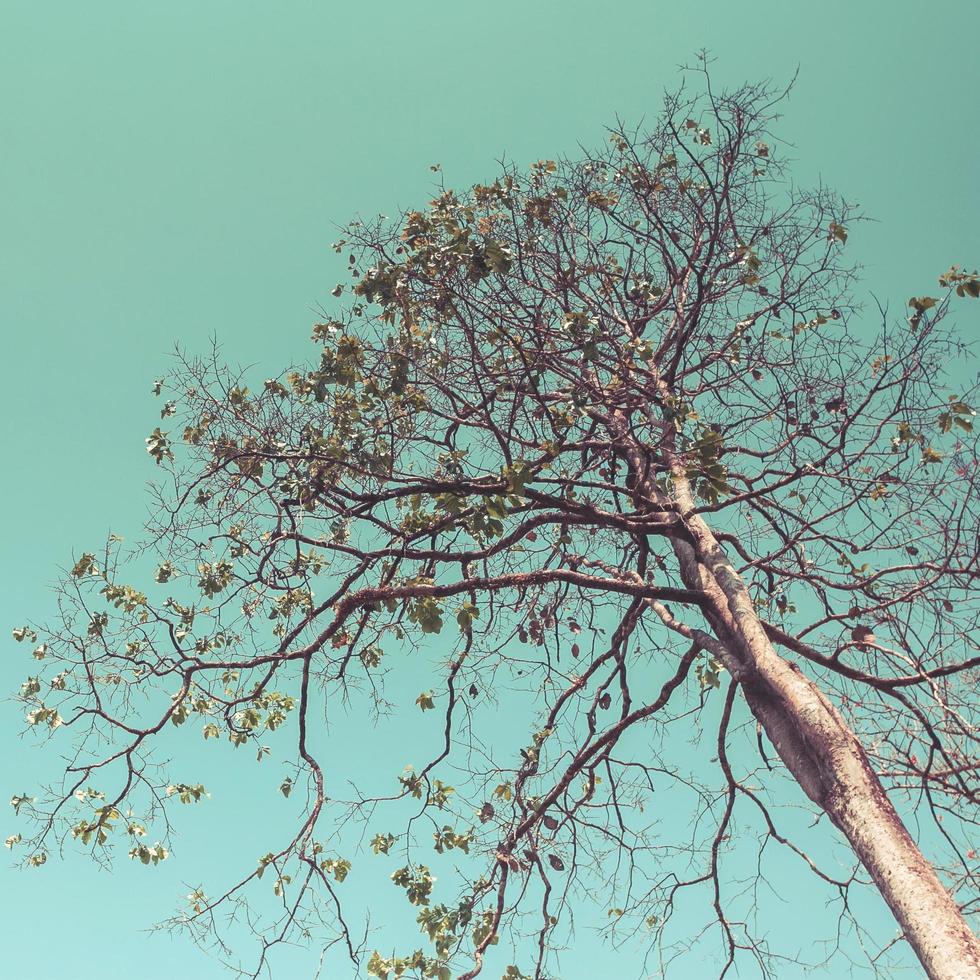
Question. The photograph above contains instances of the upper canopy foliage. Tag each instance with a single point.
(526, 383)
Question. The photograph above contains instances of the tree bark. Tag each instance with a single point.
(829, 762)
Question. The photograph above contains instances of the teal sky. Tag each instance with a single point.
(173, 171)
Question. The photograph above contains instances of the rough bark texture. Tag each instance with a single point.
(828, 761)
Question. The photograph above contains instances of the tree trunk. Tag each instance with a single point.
(828, 761)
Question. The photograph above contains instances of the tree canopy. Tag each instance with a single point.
(603, 461)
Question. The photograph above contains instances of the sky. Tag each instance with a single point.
(175, 171)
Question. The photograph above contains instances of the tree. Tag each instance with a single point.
(615, 430)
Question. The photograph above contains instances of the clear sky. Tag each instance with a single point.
(172, 171)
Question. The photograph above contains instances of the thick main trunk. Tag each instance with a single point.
(828, 761)
(830, 764)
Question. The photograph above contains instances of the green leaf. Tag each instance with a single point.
(187, 793)
(149, 855)
(517, 477)
(338, 867)
(427, 613)
(381, 843)
(417, 883)
(214, 578)
(18, 801)
(708, 673)
(465, 616)
(498, 257)
(158, 446)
